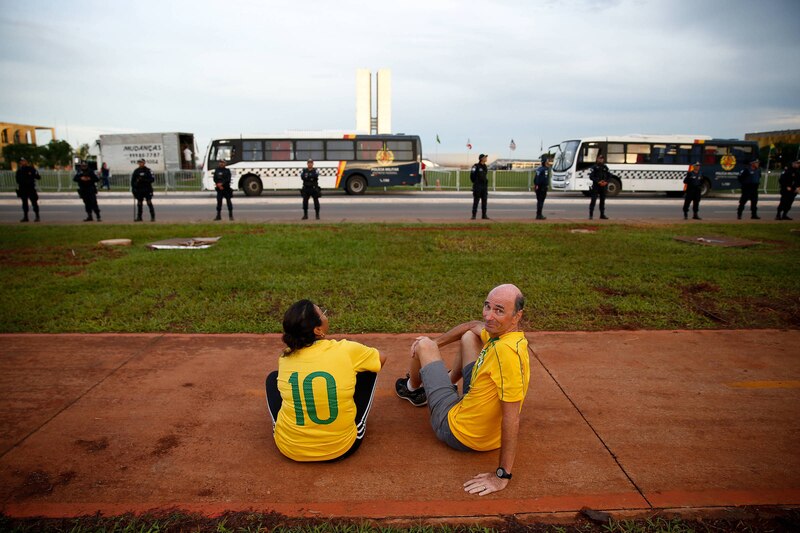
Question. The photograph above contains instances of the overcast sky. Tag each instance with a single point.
(538, 72)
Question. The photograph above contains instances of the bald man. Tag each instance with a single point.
(493, 361)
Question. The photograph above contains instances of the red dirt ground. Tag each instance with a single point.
(621, 421)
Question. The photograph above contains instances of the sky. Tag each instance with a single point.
(537, 72)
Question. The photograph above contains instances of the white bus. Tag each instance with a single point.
(651, 163)
(344, 161)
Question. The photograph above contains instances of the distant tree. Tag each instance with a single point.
(82, 151)
(782, 155)
(56, 154)
(13, 152)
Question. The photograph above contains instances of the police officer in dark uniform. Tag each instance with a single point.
(540, 183)
(142, 188)
(479, 175)
(749, 178)
(789, 182)
(693, 185)
(87, 190)
(310, 189)
(599, 176)
(222, 182)
(26, 188)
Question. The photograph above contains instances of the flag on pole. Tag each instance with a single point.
(437, 139)
(469, 145)
(513, 145)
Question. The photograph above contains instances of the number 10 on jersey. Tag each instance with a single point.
(308, 400)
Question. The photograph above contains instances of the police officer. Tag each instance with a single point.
(749, 178)
(789, 182)
(142, 188)
(479, 176)
(693, 185)
(540, 183)
(222, 182)
(26, 188)
(599, 176)
(310, 189)
(87, 190)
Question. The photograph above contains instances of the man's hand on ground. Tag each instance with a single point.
(484, 484)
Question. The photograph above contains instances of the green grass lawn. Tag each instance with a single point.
(396, 277)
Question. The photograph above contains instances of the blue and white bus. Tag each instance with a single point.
(651, 163)
(344, 161)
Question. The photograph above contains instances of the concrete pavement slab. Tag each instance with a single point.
(695, 418)
(162, 421)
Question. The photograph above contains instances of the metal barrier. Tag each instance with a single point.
(61, 180)
(456, 179)
(522, 180)
(191, 180)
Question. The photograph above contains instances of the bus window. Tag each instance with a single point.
(684, 154)
(402, 150)
(252, 151)
(340, 150)
(616, 153)
(658, 153)
(305, 150)
(368, 150)
(709, 155)
(588, 155)
(638, 153)
(278, 151)
(222, 151)
(743, 154)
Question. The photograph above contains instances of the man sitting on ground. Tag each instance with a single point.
(493, 360)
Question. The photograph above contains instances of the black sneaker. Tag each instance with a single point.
(417, 397)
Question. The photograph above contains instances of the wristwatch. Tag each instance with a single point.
(502, 474)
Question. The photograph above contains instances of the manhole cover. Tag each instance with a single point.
(715, 240)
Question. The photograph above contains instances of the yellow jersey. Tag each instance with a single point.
(316, 421)
(501, 373)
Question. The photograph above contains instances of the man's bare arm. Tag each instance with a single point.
(488, 482)
(457, 332)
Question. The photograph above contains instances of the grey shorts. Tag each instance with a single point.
(442, 396)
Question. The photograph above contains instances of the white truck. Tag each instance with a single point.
(161, 151)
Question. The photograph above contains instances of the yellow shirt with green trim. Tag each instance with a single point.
(501, 373)
(317, 419)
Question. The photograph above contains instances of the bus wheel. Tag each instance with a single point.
(705, 188)
(252, 186)
(613, 187)
(356, 185)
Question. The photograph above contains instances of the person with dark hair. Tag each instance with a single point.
(479, 176)
(26, 189)
(321, 394)
(87, 190)
(142, 188)
(310, 189)
(222, 182)
(494, 363)
(105, 175)
(540, 183)
(789, 182)
(749, 178)
(599, 176)
(693, 187)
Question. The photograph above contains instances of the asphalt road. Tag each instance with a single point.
(117, 207)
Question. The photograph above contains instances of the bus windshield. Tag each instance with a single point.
(566, 156)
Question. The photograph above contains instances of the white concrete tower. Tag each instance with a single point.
(381, 120)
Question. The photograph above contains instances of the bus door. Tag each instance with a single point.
(588, 154)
